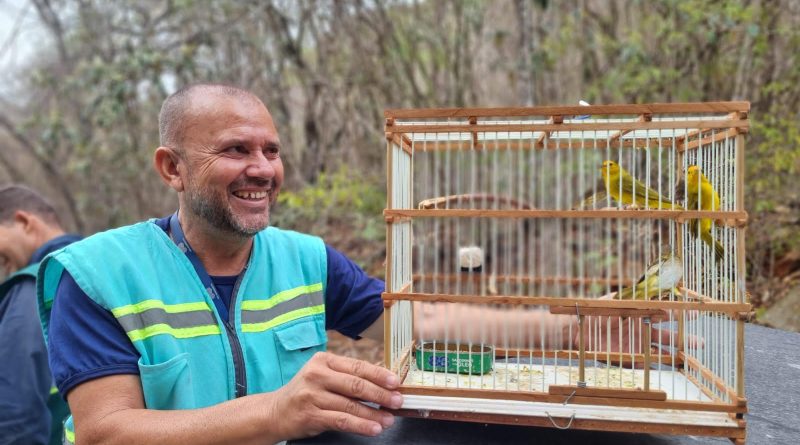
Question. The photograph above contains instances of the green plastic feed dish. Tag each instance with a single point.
(462, 359)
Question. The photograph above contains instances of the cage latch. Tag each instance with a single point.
(553, 421)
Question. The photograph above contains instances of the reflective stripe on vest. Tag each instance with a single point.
(283, 307)
(186, 320)
(69, 434)
(152, 317)
(186, 360)
(28, 272)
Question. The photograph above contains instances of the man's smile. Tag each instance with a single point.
(251, 195)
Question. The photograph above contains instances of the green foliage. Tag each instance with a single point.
(344, 190)
(778, 152)
(327, 69)
(344, 208)
(772, 181)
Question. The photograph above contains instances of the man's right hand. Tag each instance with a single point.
(326, 395)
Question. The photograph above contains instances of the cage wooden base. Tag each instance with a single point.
(584, 417)
(687, 411)
(684, 394)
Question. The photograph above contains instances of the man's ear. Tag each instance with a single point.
(26, 220)
(166, 162)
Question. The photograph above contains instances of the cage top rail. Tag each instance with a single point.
(588, 125)
(612, 109)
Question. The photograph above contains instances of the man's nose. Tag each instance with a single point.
(260, 166)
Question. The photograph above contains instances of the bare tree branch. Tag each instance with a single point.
(53, 174)
(50, 18)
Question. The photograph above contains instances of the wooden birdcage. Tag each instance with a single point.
(504, 241)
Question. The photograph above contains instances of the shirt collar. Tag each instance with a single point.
(53, 245)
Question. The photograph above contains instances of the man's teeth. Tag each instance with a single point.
(251, 195)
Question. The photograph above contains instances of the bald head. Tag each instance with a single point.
(180, 108)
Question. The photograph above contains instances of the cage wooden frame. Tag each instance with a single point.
(729, 122)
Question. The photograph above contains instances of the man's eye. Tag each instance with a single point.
(272, 152)
(236, 149)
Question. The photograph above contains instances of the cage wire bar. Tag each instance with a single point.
(507, 256)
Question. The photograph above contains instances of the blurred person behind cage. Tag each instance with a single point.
(31, 409)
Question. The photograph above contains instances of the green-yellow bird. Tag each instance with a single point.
(661, 276)
(633, 191)
(700, 195)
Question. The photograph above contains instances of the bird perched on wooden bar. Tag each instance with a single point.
(593, 198)
(661, 276)
(700, 195)
(626, 189)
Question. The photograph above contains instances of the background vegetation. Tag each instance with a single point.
(79, 118)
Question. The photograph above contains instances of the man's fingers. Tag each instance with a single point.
(375, 374)
(338, 403)
(693, 341)
(669, 338)
(358, 388)
(348, 423)
(356, 379)
(666, 337)
(324, 395)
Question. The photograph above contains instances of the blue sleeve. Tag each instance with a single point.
(24, 376)
(86, 342)
(352, 298)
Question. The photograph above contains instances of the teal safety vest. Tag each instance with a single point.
(189, 357)
(57, 406)
(28, 272)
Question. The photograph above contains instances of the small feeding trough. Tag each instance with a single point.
(456, 358)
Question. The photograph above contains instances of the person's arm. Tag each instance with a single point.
(375, 330)
(324, 395)
(526, 328)
(95, 367)
(476, 323)
(353, 304)
(25, 379)
(480, 323)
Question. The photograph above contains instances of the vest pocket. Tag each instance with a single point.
(168, 385)
(296, 344)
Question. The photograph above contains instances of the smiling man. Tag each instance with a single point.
(208, 326)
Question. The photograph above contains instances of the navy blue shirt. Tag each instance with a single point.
(24, 376)
(92, 344)
(25, 379)
(51, 246)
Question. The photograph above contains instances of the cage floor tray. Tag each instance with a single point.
(424, 406)
(537, 377)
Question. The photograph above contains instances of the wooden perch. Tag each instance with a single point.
(615, 393)
(655, 314)
(646, 117)
(546, 134)
(436, 203)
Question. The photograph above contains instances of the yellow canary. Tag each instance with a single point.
(700, 195)
(662, 275)
(633, 191)
(589, 202)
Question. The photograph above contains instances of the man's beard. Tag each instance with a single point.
(216, 210)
